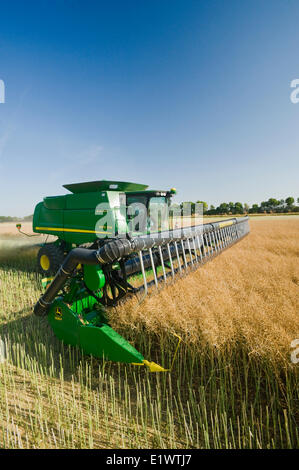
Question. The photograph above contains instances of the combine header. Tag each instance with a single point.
(130, 260)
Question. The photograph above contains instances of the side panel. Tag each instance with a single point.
(81, 218)
(104, 342)
(82, 201)
(48, 220)
(100, 341)
(79, 226)
(81, 222)
(64, 323)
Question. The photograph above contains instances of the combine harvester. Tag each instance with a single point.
(100, 258)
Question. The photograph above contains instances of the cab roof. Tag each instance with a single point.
(104, 185)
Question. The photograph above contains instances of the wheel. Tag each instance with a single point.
(49, 259)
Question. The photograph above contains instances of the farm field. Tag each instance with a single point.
(9, 228)
(232, 385)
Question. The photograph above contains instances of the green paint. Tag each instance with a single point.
(88, 331)
(93, 277)
(79, 217)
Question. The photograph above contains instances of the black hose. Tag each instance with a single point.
(75, 257)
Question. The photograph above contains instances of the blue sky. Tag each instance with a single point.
(190, 94)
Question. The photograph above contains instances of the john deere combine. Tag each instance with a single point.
(95, 210)
(101, 257)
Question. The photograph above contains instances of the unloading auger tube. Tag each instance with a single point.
(174, 253)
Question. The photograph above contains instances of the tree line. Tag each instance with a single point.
(265, 207)
(7, 218)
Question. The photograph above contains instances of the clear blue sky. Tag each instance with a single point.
(190, 94)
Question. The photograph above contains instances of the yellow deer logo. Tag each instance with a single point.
(58, 313)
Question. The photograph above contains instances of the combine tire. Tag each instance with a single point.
(49, 259)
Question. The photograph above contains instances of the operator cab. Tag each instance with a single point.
(148, 210)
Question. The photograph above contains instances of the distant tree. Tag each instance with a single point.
(290, 200)
(211, 210)
(223, 208)
(254, 209)
(231, 206)
(265, 206)
(269, 206)
(238, 208)
(204, 204)
(273, 203)
(28, 218)
(8, 218)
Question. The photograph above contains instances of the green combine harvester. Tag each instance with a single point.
(101, 256)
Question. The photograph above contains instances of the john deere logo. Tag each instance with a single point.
(58, 313)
